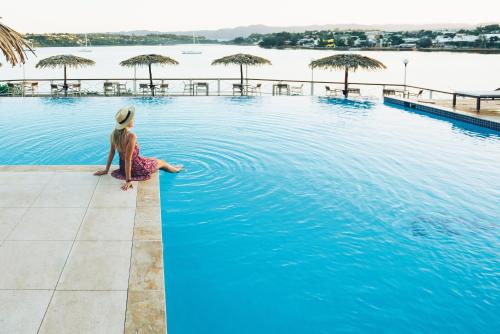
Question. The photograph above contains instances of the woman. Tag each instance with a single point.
(133, 167)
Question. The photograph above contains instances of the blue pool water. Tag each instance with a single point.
(301, 215)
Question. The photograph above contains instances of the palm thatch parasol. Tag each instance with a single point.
(13, 45)
(64, 61)
(148, 60)
(241, 59)
(347, 62)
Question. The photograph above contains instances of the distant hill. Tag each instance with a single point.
(244, 31)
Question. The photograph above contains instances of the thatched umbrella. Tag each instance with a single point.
(347, 62)
(148, 60)
(241, 59)
(64, 61)
(13, 45)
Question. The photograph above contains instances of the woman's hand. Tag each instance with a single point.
(127, 185)
(101, 172)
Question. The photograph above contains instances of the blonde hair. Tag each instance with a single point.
(119, 139)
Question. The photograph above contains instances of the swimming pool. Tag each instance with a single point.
(299, 214)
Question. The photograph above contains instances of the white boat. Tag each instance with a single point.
(192, 52)
(86, 45)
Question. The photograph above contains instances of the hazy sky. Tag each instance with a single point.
(170, 15)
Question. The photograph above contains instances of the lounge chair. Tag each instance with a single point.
(296, 90)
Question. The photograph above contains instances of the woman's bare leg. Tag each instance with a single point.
(162, 164)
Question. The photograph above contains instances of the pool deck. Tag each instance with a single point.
(78, 254)
(488, 117)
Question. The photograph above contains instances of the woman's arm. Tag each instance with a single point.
(111, 155)
(128, 161)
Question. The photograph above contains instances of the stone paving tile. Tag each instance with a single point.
(148, 197)
(97, 265)
(9, 218)
(49, 224)
(146, 272)
(13, 178)
(111, 196)
(32, 264)
(108, 224)
(74, 178)
(65, 196)
(145, 312)
(25, 310)
(147, 223)
(82, 312)
(22, 196)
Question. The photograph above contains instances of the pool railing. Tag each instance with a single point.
(203, 87)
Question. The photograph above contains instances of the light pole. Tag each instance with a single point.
(405, 62)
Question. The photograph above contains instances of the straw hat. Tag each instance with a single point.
(124, 116)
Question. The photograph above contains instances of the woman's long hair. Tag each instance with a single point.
(118, 139)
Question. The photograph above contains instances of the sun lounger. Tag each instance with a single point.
(478, 95)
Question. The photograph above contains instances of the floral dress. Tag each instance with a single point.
(142, 167)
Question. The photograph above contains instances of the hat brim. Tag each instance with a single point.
(119, 126)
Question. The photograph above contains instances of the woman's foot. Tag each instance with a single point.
(176, 169)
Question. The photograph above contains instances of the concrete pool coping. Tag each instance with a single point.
(79, 255)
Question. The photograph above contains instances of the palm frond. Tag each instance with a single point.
(13, 45)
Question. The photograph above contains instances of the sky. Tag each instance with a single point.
(38, 16)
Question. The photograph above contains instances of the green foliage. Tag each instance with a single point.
(4, 90)
(424, 42)
(40, 40)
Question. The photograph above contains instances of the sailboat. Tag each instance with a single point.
(86, 45)
(192, 52)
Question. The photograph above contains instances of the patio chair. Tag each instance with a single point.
(55, 90)
(416, 95)
(12, 89)
(332, 92)
(75, 89)
(202, 87)
(163, 89)
(237, 89)
(355, 91)
(144, 88)
(109, 88)
(121, 88)
(30, 88)
(188, 88)
(255, 89)
(296, 90)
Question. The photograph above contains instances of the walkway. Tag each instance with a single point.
(78, 254)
